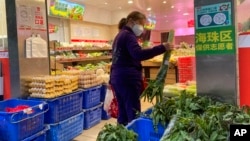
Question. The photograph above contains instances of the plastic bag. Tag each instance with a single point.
(110, 103)
(113, 109)
(108, 99)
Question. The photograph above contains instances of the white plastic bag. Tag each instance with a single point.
(108, 99)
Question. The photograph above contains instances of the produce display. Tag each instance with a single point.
(79, 55)
(183, 50)
(178, 88)
(154, 90)
(88, 78)
(116, 133)
(90, 71)
(52, 86)
(83, 45)
(197, 118)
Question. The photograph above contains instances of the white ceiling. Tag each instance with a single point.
(167, 17)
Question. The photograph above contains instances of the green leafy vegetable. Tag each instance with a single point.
(116, 133)
(154, 90)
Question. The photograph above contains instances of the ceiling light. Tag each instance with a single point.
(105, 3)
(185, 14)
(172, 6)
(164, 2)
(149, 9)
(130, 1)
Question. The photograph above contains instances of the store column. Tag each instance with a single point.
(216, 49)
(12, 48)
(25, 19)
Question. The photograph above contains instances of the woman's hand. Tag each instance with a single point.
(168, 46)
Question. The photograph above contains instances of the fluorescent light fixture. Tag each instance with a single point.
(149, 9)
(185, 14)
(130, 1)
(164, 2)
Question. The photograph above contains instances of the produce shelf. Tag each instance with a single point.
(83, 59)
(83, 48)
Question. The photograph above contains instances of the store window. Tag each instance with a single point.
(3, 26)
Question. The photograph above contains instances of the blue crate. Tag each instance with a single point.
(40, 136)
(92, 116)
(145, 129)
(63, 107)
(103, 92)
(66, 130)
(16, 126)
(91, 97)
(146, 113)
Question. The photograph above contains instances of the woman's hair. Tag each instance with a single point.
(122, 23)
(135, 15)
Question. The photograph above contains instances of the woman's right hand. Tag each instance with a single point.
(168, 46)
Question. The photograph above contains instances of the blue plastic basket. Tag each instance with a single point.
(63, 107)
(91, 97)
(146, 113)
(40, 136)
(145, 129)
(66, 130)
(16, 126)
(92, 116)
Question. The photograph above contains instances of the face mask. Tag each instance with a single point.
(137, 29)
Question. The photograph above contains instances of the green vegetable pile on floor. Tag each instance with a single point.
(116, 133)
(154, 90)
(198, 118)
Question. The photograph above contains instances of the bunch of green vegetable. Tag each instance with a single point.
(163, 111)
(202, 119)
(154, 90)
(116, 133)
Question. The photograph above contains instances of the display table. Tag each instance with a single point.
(147, 65)
(150, 70)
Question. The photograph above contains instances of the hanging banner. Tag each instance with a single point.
(214, 31)
(66, 9)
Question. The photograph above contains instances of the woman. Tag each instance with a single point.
(126, 69)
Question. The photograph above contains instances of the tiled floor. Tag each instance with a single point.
(91, 134)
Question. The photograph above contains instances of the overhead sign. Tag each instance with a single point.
(66, 9)
(215, 15)
(190, 23)
(150, 25)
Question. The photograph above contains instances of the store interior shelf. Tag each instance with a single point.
(83, 48)
(84, 59)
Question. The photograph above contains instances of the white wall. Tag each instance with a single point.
(63, 33)
(97, 15)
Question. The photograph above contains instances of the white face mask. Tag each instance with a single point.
(137, 29)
